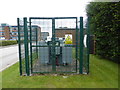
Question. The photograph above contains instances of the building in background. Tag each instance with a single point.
(5, 32)
(8, 32)
(44, 35)
(2, 33)
(14, 32)
(36, 33)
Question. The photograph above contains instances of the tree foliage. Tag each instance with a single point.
(105, 24)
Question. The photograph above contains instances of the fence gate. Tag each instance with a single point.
(53, 45)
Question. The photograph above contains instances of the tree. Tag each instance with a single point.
(104, 23)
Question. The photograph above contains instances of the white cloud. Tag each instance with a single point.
(11, 9)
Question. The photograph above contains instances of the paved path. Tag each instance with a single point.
(8, 56)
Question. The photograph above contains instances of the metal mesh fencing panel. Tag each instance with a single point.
(40, 30)
(21, 47)
(86, 52)
(63, 34)
(53, 45)
(85, 55)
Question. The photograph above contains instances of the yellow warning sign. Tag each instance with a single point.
(68, 39)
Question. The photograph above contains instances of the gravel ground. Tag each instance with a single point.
(38, 67)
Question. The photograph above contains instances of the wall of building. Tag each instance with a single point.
(44, 35)
(2, 33)
(11, 32)
(7, 32)
(14, 32)
(60, 33)
(39, 33)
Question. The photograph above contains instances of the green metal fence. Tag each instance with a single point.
(53, 45)
(21, 39)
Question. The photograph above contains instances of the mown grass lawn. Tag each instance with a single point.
(103, 74)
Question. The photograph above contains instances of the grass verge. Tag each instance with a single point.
(103, 74)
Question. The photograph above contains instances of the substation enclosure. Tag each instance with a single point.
(53, 45)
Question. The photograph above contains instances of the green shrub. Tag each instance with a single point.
(8, 42)
(104, 23)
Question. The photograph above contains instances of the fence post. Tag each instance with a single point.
(53, 45)
(88, 44)
(26, 46)
(30, 45)
(19, 44)
(81, 46)
(76, 44)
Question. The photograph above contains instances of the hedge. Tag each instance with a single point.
(105, 25)
(8, 42)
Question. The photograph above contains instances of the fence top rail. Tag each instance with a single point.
(53, 17)
(51, 46)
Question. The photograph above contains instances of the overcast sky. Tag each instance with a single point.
(11, 9)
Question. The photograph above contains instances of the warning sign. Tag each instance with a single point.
(68, 39)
